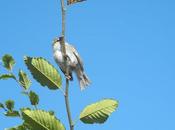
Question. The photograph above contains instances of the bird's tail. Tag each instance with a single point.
(83, 80)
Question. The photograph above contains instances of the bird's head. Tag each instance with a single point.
(56, 44)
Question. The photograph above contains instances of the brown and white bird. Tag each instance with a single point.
(74, 62)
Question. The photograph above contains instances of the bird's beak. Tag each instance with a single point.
(55, 41)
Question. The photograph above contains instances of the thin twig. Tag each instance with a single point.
(63, 49)
(35, 106)
(67, 105)
(62, 90)
(4, 109)
(75, 121)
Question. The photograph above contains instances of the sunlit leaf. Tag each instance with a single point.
(43, 72)
(7, 76)
(10, 104)
(34, 99)
(20, 127)
(8, 61)
(2, 105)
(99, 111)
(51, 112)
(24, 108)
(41, 120)
(24, 80)
(12, 114)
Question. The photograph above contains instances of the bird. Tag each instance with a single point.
(74, 62)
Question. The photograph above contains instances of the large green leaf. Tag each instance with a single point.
(41, 120)
(8, 61)
(7, 76)
(24, 80)
(99, 111)
(43, 72)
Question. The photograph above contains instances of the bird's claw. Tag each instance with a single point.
(68, 76)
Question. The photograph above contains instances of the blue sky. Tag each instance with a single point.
(128, 51)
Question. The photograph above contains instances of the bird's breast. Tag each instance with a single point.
(72, 60)
(58, 56)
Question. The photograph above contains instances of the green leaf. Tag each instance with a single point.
(27, 126)
(51, 112)
(7, 76)
(20, 127)
(12, 114)
(9, 104)
(43, 72)
(8, 62)
(41, 120)
(34, 99)
(25, 108)
(2, 105)
(99, 111)
(24, 80)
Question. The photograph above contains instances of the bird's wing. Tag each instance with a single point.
(77, 56)
(59, 60)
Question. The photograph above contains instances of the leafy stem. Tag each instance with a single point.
(27, 93)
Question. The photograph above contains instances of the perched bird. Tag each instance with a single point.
(74, 62)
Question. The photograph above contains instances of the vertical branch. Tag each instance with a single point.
(63, 14)
(67, 105)
(63, 49)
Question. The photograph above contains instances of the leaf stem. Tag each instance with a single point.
(4, 109)
(62, 90)
(36, 108)
(75, 121)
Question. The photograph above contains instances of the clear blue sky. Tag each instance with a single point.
(128, 48)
